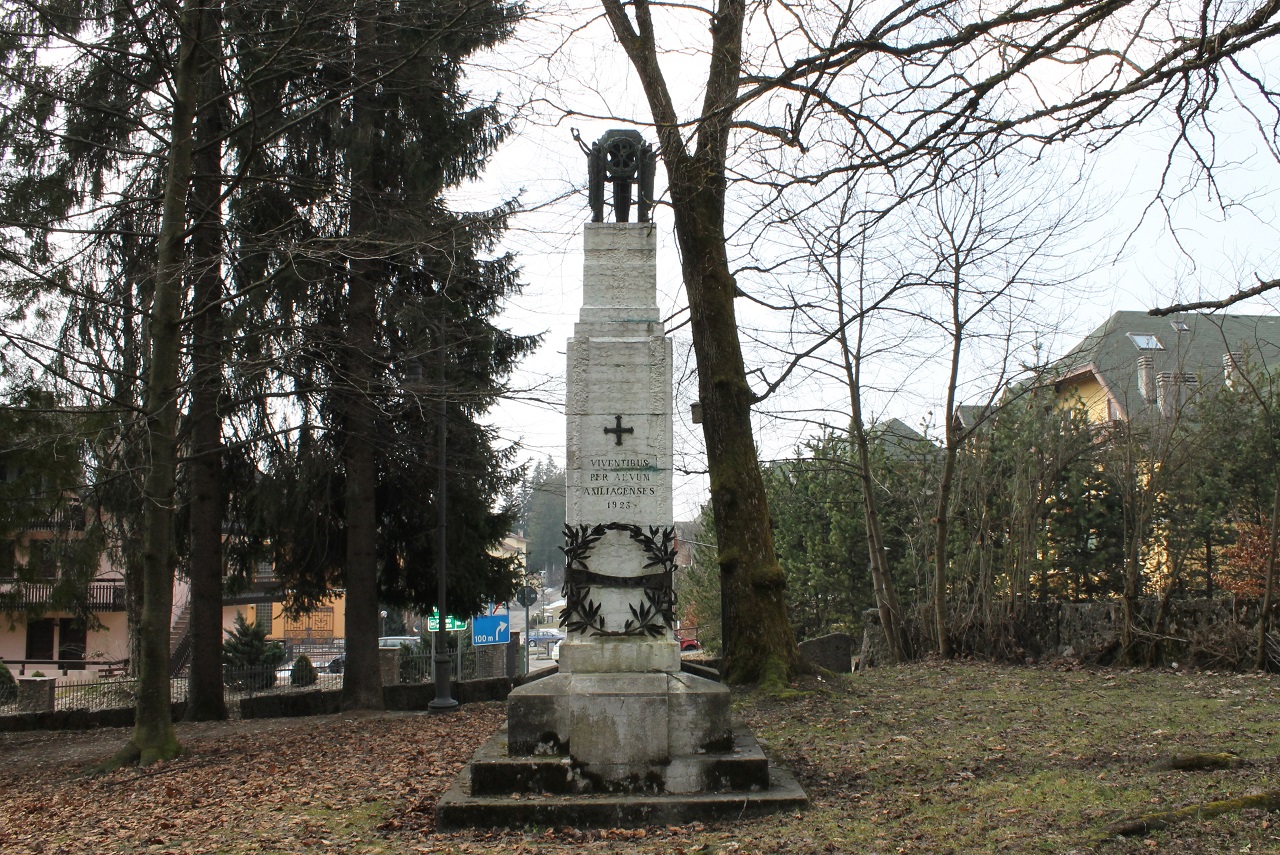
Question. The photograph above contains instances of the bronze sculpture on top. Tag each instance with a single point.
(621, 158)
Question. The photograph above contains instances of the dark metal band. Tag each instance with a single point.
(588, 579)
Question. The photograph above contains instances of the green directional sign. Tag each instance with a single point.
(451, 623)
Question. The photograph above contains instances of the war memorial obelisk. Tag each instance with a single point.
(623, 734)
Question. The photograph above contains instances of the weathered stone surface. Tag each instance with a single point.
(833, 652)
(699, 717)
(458, 809)
(620, 654)
(538, 716)
(623, 727)
(618, 437)
(737, 783)
(35, 694)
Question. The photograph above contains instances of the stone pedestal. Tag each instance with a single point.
(36, 694)
(389, 666)
(625, 731)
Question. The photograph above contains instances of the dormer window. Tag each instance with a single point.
(1145, 341)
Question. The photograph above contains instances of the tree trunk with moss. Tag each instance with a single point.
(759, 644)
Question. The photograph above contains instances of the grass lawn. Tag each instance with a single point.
(928, 758)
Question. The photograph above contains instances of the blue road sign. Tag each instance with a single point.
(490, 629)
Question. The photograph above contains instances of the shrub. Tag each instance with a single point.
(250, 661)
(303, 673)
(8, 686)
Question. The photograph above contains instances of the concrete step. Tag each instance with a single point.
(493, 772)
(500, 791)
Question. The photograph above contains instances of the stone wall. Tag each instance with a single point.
(77, 719)
(1204, 633)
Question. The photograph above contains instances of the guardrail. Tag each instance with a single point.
(70, 518)
(101, 596)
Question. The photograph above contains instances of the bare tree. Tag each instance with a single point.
(848, 89)
(992, 245)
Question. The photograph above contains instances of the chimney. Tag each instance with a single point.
(1147, 378)
(1173, 391)
(1232, 362)
(1166, 393)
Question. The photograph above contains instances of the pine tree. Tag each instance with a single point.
(542, 515)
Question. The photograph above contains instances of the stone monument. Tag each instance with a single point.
(622, 733)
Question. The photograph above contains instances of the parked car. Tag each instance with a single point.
(387, 642)
(393, 642)
(688, 645)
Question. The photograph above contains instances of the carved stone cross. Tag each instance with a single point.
(618, 430)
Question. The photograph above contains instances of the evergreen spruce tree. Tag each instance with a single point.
(392, 298)
(542, 515)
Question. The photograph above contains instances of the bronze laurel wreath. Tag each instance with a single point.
(652, 617)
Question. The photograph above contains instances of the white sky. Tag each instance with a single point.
(1133, 262)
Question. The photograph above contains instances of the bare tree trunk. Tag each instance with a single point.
(1262, 661)
(759, 643)
(881, 575)
(952, 433)
(1132, 560)
(153, 736)
(362, 681)
(205, 700)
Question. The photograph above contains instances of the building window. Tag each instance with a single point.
(40, 639)
(1179, 326)
(41, 560)
(1145, 341)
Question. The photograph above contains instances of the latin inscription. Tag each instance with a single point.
(620, 491)
(622, 484)
(623, 463)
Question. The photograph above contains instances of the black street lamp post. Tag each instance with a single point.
(444, 700)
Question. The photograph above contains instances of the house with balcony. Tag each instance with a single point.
(43, 571)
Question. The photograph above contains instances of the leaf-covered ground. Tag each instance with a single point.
(931, 758)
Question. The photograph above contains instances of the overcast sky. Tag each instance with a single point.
(1132, 255)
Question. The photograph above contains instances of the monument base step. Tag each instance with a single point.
(540, 792)
(495, 773)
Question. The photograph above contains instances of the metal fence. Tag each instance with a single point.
(92, 691)
(84, 692)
